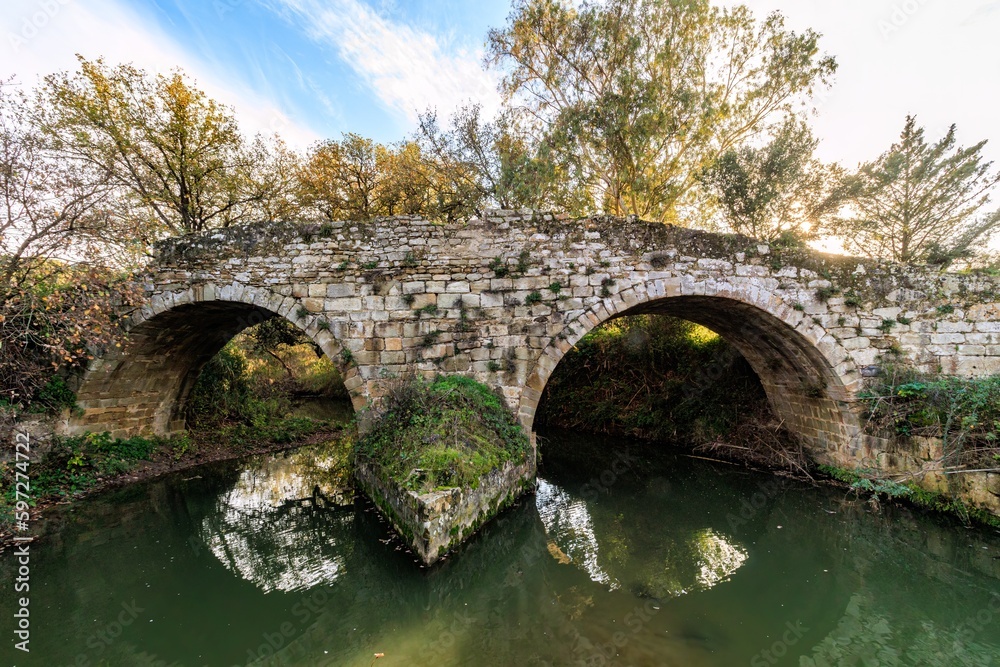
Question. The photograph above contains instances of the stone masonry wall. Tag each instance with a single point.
(504, 297)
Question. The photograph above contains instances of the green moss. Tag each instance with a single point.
(441, 434)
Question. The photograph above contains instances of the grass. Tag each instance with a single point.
(80, 463)
(441, 434)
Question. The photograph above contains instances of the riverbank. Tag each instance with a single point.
(61, 484)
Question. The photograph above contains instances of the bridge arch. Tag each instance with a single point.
(809, 378)
(143, 388)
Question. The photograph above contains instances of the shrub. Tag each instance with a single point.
(440, 434)
(964, 412)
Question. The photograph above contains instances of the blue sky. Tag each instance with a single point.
(312, 69)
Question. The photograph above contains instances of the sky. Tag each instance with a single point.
(314, 69)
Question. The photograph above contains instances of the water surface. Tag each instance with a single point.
(623, 557)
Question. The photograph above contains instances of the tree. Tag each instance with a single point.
(489, 164)
(339, 178)
(920, 202)
(50, 209)
(638, 97)
(406, 186)
(775, 190)
(358, 179)
(175, 156)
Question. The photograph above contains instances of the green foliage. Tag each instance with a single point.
(886, 326)
(429, 309)
(606, 286)
(824, 294)
(555, 287)
(176, 158)
(868, 482)
(440, 434)
(655, 377)
(523, 262)
(498, 267)
(79, 463)
(965, 412)
(775, 190)
(430, 338)
(632, 99)
(533, 298)
(493, 366)
(852, 299)
(223, 390)
(56, 395)
(798, 306)
(946, 309)
(408, 299)
(921, 202)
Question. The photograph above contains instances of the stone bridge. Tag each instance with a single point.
(505, 297)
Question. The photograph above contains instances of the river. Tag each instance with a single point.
(624, 556)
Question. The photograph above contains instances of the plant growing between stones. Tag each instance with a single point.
(824, 294)
(533, 298)
(498, 267)
(522, 262)
(606, 286)
(430, 338)
(408, 299)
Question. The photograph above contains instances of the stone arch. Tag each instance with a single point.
(809, 378)
(143, 388)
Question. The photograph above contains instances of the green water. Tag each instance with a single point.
(622, 557)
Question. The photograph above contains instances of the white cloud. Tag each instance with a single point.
(38, 37)
(409, 70)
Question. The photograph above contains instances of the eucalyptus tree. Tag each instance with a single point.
(636, 98)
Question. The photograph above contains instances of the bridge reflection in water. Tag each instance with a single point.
(666, 566)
